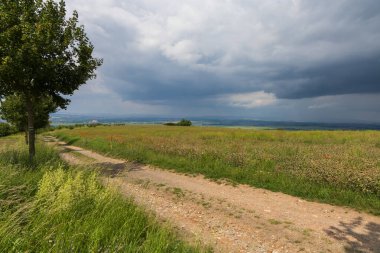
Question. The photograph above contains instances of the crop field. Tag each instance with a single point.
(337, 167)
(48, 206)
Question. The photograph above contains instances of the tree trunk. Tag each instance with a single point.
(26, 134)
(31, 133)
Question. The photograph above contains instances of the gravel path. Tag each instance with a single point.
(235, 219)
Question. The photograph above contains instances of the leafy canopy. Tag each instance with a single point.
(41, 52)
(13, 110)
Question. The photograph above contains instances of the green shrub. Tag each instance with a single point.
(170, 124)
(182, 122)
(6, 129)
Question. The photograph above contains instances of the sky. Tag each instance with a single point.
(269, 60)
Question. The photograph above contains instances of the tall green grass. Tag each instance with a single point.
(50, 207)
(337, 167)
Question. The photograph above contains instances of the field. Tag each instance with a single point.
(49, 206)
(337, 167)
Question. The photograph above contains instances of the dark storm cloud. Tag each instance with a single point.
(354, 76)
(170, 82)
(196, 53)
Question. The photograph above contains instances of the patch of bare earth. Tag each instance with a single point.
(235, 219)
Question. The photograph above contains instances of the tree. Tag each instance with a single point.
(42, 54)
(14, 111)
(184, 122)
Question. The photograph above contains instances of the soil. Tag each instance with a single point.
(234, 218)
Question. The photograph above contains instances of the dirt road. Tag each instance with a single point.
(235, 219)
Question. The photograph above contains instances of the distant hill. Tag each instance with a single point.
(67, 119)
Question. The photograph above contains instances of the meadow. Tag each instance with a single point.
(48, 206)
(336, 167)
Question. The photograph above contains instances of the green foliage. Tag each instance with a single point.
(337, 167)
(42, 54)
(13, 110)
(182, 122)
(18, 157)
(170, 124)
(54, 208)
(6, 129)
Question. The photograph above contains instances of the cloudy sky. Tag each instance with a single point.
(274, 60)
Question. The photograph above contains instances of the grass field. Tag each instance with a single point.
(337, 167)
(51, 207)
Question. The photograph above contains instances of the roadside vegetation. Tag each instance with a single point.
(47, 206)
(6, 129)
(336, 167)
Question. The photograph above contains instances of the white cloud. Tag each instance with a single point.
(97, 86)
(320, 106)
(93, 98)
(288, 32)
(250, 100)
(183, 51)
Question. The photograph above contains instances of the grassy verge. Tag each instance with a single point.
(336, 167)
(50, 207)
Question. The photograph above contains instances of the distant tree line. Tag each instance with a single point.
(182, 122)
